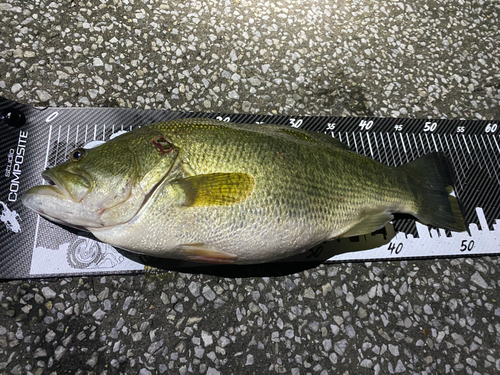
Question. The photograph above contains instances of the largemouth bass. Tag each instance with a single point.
(210, 191)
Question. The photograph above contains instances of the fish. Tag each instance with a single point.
(215, 192)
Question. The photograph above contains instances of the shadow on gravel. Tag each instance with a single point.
(273, 269)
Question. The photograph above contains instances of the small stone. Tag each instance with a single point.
(340, 347)
(120, 323)
(84, 100)
(44, 96)
(477, 279)
(400, 367)
(349, 298)
(367, 363)
(107, 305)
(144, 372)
(17, 370)
(350, 331)
(254, 81)
(18, 52)
(207, 339)
(333, 358)
(362, 313)
(126, 304)
(164, 298)
(208, 293)
(372, 292)
(97, 62)
(199, 351)
(193, 320)
(327, 344)
(326, 288)
(459, 340)
(99, 314)
(93, 93)
(233, 95)
(309, 293)
(428, 310)
(50, 336)
(155, 346)
(236, 77)
(338, 319)
(59, 352)
(249, 360)
(253, 307)
(194, 288)
(394, 350)
(223, 342)
(364, 299)
(93, 360)
(40, 352)
(239, 315)
(16, 87)
(136, 336)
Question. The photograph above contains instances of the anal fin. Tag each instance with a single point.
(370, 223)
(199, 252)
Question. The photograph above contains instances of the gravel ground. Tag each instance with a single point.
(418, 58)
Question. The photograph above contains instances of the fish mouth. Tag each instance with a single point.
(47, 190)
(57, 185)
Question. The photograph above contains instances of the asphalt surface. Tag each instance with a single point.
(418, 59)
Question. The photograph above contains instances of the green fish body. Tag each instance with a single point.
(210, 191)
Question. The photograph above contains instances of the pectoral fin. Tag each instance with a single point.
(368, 224)
(199, 252)
(216, 189)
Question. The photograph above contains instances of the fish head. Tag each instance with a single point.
(106, 185)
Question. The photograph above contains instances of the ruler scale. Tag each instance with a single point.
(31, 246)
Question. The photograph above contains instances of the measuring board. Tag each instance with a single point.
(34, 139)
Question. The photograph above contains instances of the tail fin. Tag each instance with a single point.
(431, 180)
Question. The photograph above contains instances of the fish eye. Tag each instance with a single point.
(163, 145)
(77, 154)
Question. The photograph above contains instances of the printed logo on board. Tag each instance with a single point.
(10, 218)
(15, 160)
